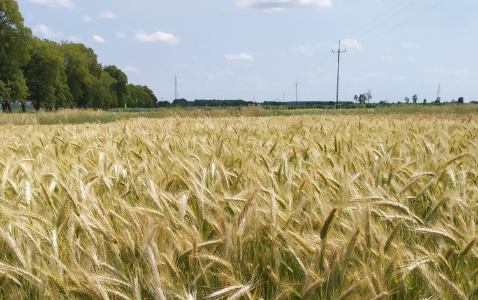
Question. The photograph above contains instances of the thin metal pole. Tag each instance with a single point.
(296, 84)
(338, 75)
(176, 96)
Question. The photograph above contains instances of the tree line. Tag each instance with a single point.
(209, 103)
(52, 75)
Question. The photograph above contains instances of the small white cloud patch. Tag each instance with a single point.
(411, 45)
(75, 39)
(277, 5)
(55, 3)
(130, 69)
(387, 58)
(158, 36)
(108, 15)
(98, 39)
(43, 30)
(351, 44)
(121, 35)
(242, 56)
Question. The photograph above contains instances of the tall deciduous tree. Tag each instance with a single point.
(121, 85)
(14, 39)
(46, 77)
(362, 98)
(415, 98)
(4, 91)
(82, 70)
(18, 89)
(368, 95)
(102, 92)
(142, 96)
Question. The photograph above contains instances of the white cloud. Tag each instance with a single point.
(98, 39)
(276, 5)
(75, 39)
(87, 19)
(410, 45)
(55, 3)
(222, 75)
(46, 32)
(309, 49)
(108, 15)
(305, 49)
(158, 36)
(130, 69)
(351, 44)
(387, 58)
(121, 35)
(242, 56)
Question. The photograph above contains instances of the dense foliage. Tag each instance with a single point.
(50, 75)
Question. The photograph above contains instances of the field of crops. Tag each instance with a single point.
(286, 207)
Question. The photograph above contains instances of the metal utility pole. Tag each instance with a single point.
(438, 93)
(296, 84)
(338, 72)
(175, 87)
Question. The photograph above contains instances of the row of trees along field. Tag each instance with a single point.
(52, 75)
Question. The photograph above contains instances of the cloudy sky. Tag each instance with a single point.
(257, 49)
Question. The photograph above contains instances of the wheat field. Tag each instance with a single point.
(298, 207)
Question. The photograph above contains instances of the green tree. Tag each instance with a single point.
(461, 100)
(368, 95)
(46, 78)
(362, 98)
(4, 91)
(142, 96)
(415, 98)
(407, 100)
(102, 92)
(18, 89)
(153, 100)
(121, 86)
(82, 70)
(14, 40)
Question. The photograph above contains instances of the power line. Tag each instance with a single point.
(385, 18)
(410, 19)
(338, 74)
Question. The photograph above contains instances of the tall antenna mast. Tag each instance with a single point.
(338, 72)
(176, 87)
(296, 84)
(438, 93)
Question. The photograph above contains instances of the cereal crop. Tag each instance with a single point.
(285, 207)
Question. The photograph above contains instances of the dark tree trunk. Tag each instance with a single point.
(6, 107)
(24, 109)
(36, 106)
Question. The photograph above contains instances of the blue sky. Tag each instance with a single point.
(257, 49)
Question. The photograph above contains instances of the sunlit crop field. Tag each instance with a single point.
(297, 207)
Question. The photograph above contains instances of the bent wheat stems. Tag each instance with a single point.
(189, 207)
